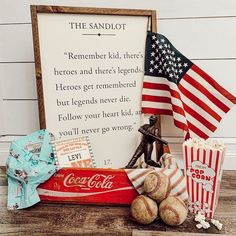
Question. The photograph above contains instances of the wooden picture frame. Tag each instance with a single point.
(35, 10)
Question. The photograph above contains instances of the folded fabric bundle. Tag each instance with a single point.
(30, 163)
(169, 168)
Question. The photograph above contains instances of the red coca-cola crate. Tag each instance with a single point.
(88, 186)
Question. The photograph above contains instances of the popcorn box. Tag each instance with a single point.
(203, 170)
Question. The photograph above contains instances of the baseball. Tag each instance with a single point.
(157, 186)
(173, 211)
(144, 210)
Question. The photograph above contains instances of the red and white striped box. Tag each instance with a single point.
(203, 170)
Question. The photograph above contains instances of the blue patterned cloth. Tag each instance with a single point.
(30, 163)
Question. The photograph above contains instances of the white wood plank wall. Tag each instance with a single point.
(203, 30)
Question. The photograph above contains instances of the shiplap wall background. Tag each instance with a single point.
(203, 30)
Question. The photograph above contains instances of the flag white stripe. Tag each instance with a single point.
(160, 80)
(177, 102)
(202, 97)
(179, 117)
(210, 88)
(157, 105)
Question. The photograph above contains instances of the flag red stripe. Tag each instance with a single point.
(156, 98)
(200, 118)
(156, 86)
(180, 125)
(199, 102)
(157, 111)
(178, 110)
(175, 94)
(214, 84)
(197, 131)
(187, 136)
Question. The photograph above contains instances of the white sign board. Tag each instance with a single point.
(92, 72)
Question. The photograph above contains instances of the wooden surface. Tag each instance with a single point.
(59, 219)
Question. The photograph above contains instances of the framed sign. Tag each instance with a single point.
(89, 71)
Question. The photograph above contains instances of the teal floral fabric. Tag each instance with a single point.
(30, 163)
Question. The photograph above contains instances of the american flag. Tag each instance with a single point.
(174, 86)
